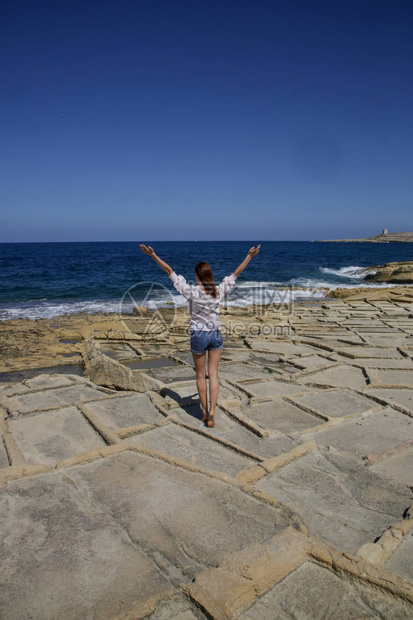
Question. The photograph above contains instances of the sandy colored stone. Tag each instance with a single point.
(192, 447)
(14, 454)
(250, 475)
(401, 560)
(78, 459)
(222, 594)
(398, 467)
(298, 596)
(388, 377)
(166, 521)
(344, 376)
(397, 397)
(336, 403)
(391, 272)
(54, 435)
(265, 565)
(376, 433)
(52, 398)
(247, 503)
(105, 371)
(124, 411)
(270, 464)
(80, 557)
(21, 471)
(280, 415)
(228, 428)
(341, 501)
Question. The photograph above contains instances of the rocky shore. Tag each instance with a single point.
(394, 272)
(120, 503)
(398, 294)
(27, 345)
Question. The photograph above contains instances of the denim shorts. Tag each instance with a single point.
(202, 341)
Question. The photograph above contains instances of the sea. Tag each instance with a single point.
(45, 280)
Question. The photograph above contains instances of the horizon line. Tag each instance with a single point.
(177, 241)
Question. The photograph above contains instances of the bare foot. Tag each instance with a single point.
(204, 415)
(211, 420)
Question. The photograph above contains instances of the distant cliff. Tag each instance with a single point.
(402, 237)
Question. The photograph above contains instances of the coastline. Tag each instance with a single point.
(57, 343)
(275, 293)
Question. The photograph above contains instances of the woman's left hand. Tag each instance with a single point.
(147, 249)
(254, 251)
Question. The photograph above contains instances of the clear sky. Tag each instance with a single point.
(178, 120)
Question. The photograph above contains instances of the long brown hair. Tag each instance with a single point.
(204, 273)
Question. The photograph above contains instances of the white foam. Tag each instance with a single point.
(351, 271)
(242, 295)
(49, 310)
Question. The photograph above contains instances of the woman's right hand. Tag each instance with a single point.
(253, 251)
(147, 249)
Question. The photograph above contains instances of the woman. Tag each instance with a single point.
(204, 300)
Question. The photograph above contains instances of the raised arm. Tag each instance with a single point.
(251, 252)
(151, 252)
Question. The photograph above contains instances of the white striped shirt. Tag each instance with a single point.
(204, 308)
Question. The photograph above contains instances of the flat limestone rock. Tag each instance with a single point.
(312, 592)
(269, 359)
(281, 415)
(229, 429)
(374, 362)
(177, 607)
(370, 352)
(401, 560)
(48, 382)
(171, 375)
(341, 501)
(336, 403)
(123, 411)
(388, 340)
(398, 396)
(275, 388)
(311, 362)
(389, 377)
(398, 467)
(47, 399)
(51, 436)
(240, 372)
(282, 348)
(159, 506)
(63, 555)
(374, 433)
(313, 442)
(193, 447)
(340, 376)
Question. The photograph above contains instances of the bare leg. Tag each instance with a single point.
(199, 361)
(213, 361)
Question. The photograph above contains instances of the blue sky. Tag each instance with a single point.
(147, 120)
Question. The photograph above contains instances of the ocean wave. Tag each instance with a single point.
(241, 296)
(332, 286)
(49, 310)
(352, 271)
